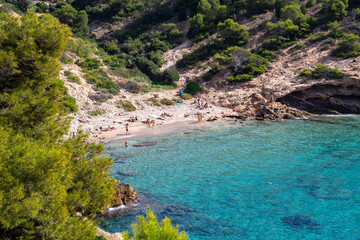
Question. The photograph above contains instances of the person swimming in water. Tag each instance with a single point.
(126, 143)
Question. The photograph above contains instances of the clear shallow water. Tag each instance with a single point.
(212, 182)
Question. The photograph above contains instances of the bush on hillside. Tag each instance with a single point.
(280, 4)
(186, 96)
(23, 5)
(259, 6)
(177, 100)
(78, 21)
(126, 105)
(170, 76)
(166, 101)
(193, 88)
(72, 77)
(348, 47)
(293, 13)
(154, 102)
(233, 33)
(89, 63)
(243, 63)
(322, 71)
(335, 9)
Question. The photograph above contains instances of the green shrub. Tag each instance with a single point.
(114, 61)
(335, 9)
(126, 105)
(89, 63)
(348, 47)
(244, 64)
(233, 33)
(322, 71)
(71, 77)
(188, 60)
(23, 5)
(209, 74)
(149, 68)
(259, 6)
(267, 54)
(186, 96)
(81, 47)
(100, 79)
(310, 3)
(280, 4)
(193, 88)
(177, 100)
(166, 101)
(41, 7)
(97, 112)
(66, 59)
(149, 228)
(170, 76)
(357, 13)
(293, 13)
(317, 37)
(78, 21)
(300, 46)
(133, 87)
(69, 103)
(154, 102)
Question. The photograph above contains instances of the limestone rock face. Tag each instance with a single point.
(124, 194)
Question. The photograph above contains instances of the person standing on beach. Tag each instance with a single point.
(127, 129)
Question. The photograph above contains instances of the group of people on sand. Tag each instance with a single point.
(166, 115)
(150, 122)
(200, 105)
(133, 119)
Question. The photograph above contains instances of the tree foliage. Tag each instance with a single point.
(293, 13)
(259, 6)
(243, 63)
(322, 71)
(78, 21)
(44, 180)
(336, 9)
(148, 227)
(233, 33)
(348, 47)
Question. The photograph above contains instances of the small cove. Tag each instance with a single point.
(213, 182)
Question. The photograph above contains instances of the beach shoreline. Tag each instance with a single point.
(142, 130)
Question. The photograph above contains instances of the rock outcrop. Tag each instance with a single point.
(125, 194)
(327, 98)
(277, 111)
(109, 236)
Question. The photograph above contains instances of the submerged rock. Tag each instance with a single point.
(299, 221)
(127, 173)
(145, 144)
(125, 194)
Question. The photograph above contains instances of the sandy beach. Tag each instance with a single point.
(167, 119)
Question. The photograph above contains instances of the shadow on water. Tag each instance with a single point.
(187, 218)
(299, 222)
(325, 188)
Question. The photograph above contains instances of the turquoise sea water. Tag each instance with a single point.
(213, 182)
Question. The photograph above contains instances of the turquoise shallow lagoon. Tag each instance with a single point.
(213, 182)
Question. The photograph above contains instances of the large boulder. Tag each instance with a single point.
(125, 194)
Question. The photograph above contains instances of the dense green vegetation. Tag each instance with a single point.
(348, 47)
(243, 63)
(44, 180)
(148, 227)
(322, 71)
